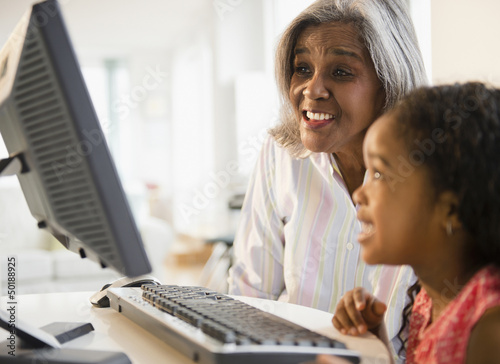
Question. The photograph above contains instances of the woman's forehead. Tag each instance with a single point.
(330, 32)
(331, 36)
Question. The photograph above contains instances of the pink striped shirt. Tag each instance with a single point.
(297, 238)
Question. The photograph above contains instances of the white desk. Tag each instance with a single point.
(114, 332)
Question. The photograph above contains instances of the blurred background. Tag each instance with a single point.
(185, 93)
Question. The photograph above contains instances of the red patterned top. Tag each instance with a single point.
(445, 340)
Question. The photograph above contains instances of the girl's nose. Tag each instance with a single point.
(358, 196)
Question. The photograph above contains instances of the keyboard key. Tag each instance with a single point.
(189, 316)
(218, 332)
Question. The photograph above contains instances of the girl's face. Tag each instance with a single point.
(400, 220)
(334, 88)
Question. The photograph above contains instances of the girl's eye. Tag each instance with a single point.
(377, 175)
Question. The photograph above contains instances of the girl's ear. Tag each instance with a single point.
(448, 209)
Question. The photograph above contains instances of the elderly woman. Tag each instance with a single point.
(339, 65)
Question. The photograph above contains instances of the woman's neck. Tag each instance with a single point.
(352, 169)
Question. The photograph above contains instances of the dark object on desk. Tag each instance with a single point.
(100, 298)
(212, 328)
(61, 356)
(67, 331)
(226, 239)
(236, 202)
(61, 331)
(28, 344)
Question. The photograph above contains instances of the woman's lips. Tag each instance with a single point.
(316, 120)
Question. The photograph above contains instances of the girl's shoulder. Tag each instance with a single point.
(468, 327)
(484, 339)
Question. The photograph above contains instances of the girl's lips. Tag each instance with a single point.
(367, 231)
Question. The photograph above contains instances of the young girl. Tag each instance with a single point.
(431, 200)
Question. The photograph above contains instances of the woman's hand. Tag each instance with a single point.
(357, 312)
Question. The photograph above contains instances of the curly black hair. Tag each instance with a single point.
(454, 131)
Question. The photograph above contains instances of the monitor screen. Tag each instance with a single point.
(51, 130)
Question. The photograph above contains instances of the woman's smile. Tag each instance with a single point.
(316, 120)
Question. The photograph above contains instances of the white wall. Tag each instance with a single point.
(465, 43)
(420, 11)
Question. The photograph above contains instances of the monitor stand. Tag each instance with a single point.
(13, 165)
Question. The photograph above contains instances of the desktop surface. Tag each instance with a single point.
(114, 332)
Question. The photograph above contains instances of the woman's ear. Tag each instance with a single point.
(447, 204)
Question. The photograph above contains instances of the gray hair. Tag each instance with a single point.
(387, 31)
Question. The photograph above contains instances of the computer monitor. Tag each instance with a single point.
(57, 148)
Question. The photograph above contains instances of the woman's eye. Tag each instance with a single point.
(341, 73)
(301, 70)
(377, 175)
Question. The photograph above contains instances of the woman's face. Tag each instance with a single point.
(334, 89)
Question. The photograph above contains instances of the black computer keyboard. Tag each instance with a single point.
(210, 327)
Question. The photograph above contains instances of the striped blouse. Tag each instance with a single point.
(297, 239)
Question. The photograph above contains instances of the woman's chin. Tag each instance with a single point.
(315, 144)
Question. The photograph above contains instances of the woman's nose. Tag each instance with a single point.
(316, 88)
